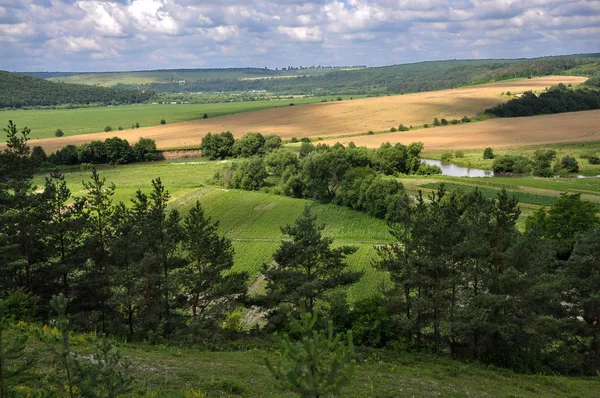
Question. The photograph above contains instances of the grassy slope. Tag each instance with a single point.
(175, 372)
(251, 219)
(43, 123)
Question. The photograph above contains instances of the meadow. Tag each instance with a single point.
(474, 157)
(182, 372)
(44, 123)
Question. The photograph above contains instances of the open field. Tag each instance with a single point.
(497, 133)
(43, 123)
(356, 117)
(474, 157)
(251, 219)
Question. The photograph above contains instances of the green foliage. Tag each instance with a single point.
(217, 146)
(59, 133)
(403, 128)
(205, 116)
(393, 130)
(306, 148)
(488, 153)
(542, 163)
(249, 145)
(436, 122)
(304, 268)
(313, 364)
(446, 156)
(163, 121)
(38, 156)
(459, 154)
(556, 100)
(145, 150)
(444, 122)
(511, 164)
(569, 164)
(18, 91)
(107, 129)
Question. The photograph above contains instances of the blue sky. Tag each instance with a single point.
(66, 35)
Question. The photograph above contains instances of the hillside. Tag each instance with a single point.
(334, 119)
(415, 77)
(19, 91)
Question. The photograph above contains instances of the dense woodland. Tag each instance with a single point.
(21, 91)
(467, 282)
(557, 99)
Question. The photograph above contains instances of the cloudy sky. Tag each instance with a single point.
(67, 35)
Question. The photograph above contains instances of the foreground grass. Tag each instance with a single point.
(161, 371)
(474, 157)
(43, 123)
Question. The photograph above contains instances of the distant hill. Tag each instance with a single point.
(19, 91)
(395, 79)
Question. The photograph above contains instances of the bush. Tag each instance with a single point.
(594, 160)
(107, 129)
(120, 128)
(402, 128)
(163, 121)
(465, 119)
(294, 140)
(59, 133)
(446, 156)
(217, 146)
(459, 154)
(393, 130)
(137, 125)
(249, 145)
(488, 153)
(569, 164)
(205, 116)
(339, 99)
(454, 121)
(370, 132)
(250, 174)
(38, 156)
(511, 164)
(444, 122)
(145, 150)
(436, 122)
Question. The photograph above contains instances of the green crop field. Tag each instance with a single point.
(474, 157)
(251, 219)
(43, 123)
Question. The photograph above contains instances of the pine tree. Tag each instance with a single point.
(305, 267)
(206, 278)
(313, 364)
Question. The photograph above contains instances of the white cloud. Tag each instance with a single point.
(118, 34)
(302, 33)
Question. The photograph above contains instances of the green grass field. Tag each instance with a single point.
(474, 157)
(43, 123)
(184, 372)
(251, 219)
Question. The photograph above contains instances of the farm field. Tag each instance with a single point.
(474, 157)
(497, 133)
(43, 123)
(357, 117)
(251, 219)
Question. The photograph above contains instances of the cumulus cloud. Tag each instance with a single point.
(143, 34)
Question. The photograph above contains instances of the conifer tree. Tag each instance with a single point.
(305, 267)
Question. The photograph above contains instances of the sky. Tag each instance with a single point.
(67, 35)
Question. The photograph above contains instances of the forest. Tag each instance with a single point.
(557, 99)
(21, 91)
(467, 283)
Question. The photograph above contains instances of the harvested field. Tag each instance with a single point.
(497, 133)
(332, 118)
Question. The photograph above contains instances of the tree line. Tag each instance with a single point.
(557, 99)
(21, 91)
(351, 176)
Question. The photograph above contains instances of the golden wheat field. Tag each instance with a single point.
(498, 133)
(352, 117)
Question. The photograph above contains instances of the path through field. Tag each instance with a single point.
(332, 118)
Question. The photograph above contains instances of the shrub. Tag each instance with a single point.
(444, 122)
(594, 160)
(426, 126)
(393, 130)
(569, 164)
(250, 174)
(370, 132)
(294, 140)
(459, 154)
(59, 133)
(107, 129)
(163, 121)
(488, 153)
(465, 119)
(402, 128)
(249, 145)
(446, 156)
(339, 99)
(145, 150)
(454, 121)
(436, 122)
(137, 125)
(217, 146)
(38, 156)
(120, 128)
(511, 164)
(205, 116)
